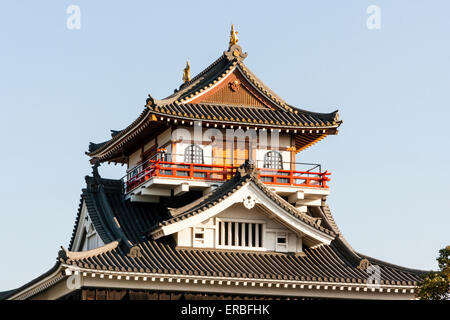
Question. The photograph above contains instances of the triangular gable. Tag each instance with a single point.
(234, 89)
(217, 84)
(249, 192)
(226, 87)
(86, 236)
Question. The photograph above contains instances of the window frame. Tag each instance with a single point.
(198, 242)
(190, 154)
(268, 160)
(282, 247)
(262, 235)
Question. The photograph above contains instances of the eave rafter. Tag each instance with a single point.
(302, 287)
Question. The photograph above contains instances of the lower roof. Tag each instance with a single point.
(326, 263)
(117, 219)
(335, 262)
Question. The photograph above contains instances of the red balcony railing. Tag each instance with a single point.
(213, 172)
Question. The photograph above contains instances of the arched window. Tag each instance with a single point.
(273, 160)
(193, 154)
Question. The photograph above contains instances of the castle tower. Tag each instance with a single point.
(213, 204)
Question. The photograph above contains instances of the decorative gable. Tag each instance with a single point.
(240, 228)
(234, 89)
(86, 237)
(243, 214)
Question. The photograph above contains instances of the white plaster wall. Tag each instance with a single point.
(134, 158)
(239, 213)
(184, 238)
(210, 239)
(181, 146)
(87, 230)
(299, 244)
(292, 242)
(286, 155)
(269, 242)
(164, 137)
(92, 242)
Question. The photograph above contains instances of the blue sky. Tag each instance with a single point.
(61, 88)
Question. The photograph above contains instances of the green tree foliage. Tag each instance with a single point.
(436, 285)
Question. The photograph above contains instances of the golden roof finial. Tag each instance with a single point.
(233, 36)
(187, 73)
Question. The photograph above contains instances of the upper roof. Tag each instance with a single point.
(226, 93)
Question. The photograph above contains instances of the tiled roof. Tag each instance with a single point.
(323, 263)
(7, 294)
(334, 262)
(178, 107)
(117, 219)
(238, 115)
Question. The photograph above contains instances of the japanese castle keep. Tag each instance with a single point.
(213, 205)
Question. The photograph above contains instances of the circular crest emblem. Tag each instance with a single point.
(249, 202)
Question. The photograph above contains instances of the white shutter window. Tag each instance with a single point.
(281, 244)
(240, 234)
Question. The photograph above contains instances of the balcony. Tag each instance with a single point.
(159, 177)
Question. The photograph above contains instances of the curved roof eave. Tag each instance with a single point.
(204, 80)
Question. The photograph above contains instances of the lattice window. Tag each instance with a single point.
(282, 242)
(273, 160)
(240, 234)
(199, 236)
(193, 154)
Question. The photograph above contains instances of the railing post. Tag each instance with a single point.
(157, 168)
(291, 174)
(324, 179)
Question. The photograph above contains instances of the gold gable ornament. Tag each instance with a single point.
(187, 73)
(234, 51)
(233, 36)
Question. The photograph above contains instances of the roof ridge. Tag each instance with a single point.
(67, 255)
(394, 266)
(208, 68)
(185, 88)
(260, 85)
(330, 219)
(176, 211)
